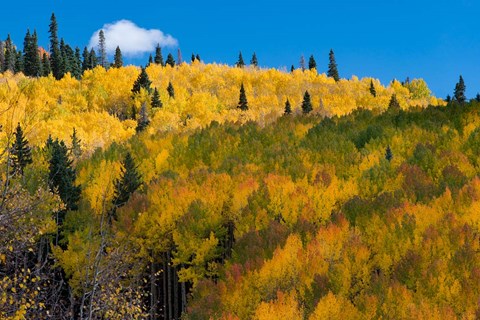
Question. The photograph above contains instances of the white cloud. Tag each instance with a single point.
(131, 39)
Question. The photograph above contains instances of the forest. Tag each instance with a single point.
(208, 191)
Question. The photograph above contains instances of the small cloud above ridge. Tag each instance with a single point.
(132, 39)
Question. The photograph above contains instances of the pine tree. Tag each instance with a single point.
(102, 50)
(21, 153)
(388, 154)
(459, 92)
(143, 121)
(10, 55)
(76, 148)
(19, 62)
(30, 55)
(306, 103)
(133, 114)
(46, 69)
(373, 92)
(130, 180)
(448, 99)
(312, 64)
(55, 55)
(394, 104)
(118, 59)
(156, 102)
(477, 97)
(254, 61)
(193, 58)
(292, 68)
(64, 61)
(2, 55)
(171, 90)
(150, 60)
(92, 59)
(302, 63)
(62, 176)
(198, 58)
(143, 81)
(170, 61)
(77, 64)
(240, 63)
(332, 66)
(158, 56)
(242, 103)
(288, 108)
(86, 60)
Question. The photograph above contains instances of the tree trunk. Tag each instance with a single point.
(169, 280)
(164, 276)
(175, 294)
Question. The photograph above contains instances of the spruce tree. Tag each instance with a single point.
(288, 108)
(21, 153)
(76, 148)
(171, 90)
(306, 103)
(55, 55)
(62, 176)
(118, 59)
(30, 55)
(477, 97)
(373, 92)
(240, 63)
(46, 70)
(86, 60)
(170, 61)
(292, 68)
(130, 180)
(158, 56)
(92, 59)
(459, 93)
(332, 66)
(388, 154)
(254, 60)
(150, 60)
(193, 58)
(19, 62)
(312, 64)
(64, 60)
(77, 64)
(10, 55)
(198, 58)
(242, 103)
(102, 50)
(448, 99)
(394, 104)
(156, 102)
(2, 55)
(143, 121)
(143, 81)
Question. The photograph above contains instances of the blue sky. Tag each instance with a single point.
(434, 40)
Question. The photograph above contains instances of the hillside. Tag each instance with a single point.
(356, 210)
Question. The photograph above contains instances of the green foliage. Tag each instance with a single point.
(288, 108)
(373, 92)
(156, 102)
(306, 103)
(20, 152)
(158, 56)
(240, 63)
(459, 92)
(118, 59)
(55, 54)
(332, 66)
(312, 64)
(171, 90)
(254, 60)
(242, 102)
(143, 81)
(76, 148)
(143, 121)
(170, 61)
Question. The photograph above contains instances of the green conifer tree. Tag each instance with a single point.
(312, 64)
(92, 59)
(254, 60)
(19, 62)
(198, 58)
(288, 108)
(192, 59)
(55, 54)
(306, 103)
(158, 56)
(240, 63)
(459, 92)
(143, 81)
(150, 60)
(118, 59)
(170, 61)
(102, 50)
(76, 148)
(332, 67)
(292, 68)
(394, 104)
(46, 69)
(10, 55)
(31, 58)
(171, 90)
(2, 55)
(388, 154)
(373, 92)
(143, 121)
(77, 64)
(156, 102)
(242, 102)
(20, 152)
(86, 60)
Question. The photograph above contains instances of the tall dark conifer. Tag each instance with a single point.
(86, 60)
(306, 103)
(388, 154)
(170, 60)
(77, 64)
(312, 64)
(242, 102)
(76, 148)
(31, 58)
(143, 121)
(373, 92)
(2, 55)
(171, 90)
(118, 59)
(55, 54)
(46, 69)
(102, 50)
(254, 60)
(394, 104)
(92, 59)
(240, 63)
(288, 108)
(459, 92)
(143, 81)
(10, 55)
(156, 102)
(21, 153)
(158, 56)
(332, 66)
(19, 67)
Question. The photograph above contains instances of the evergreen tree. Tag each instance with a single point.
(77, 64)
(240, 63)
(388, 154)
(118, 59)
(46, 65)
(170, 61)
(21, 153)
(143, 81)
(133, 114)
(302, 63)
(92, 59)
(306, 103)
(198, 58)
(459, 92)
(31, 58)
(242, 103)
(76, 148)
(102, 50)
(312, 64)
(394, 104)
(477, 97)
(288, 108)
(158, 56)
(254, 61)
(10, 55)
(193, 58)
(19, 62)
(156, 102)
(448, 98)
(171, 90)
(150, 60)
(130, 180)
(86, 60)
(332, 66)
(292, 68)
(373, 92)
(64, 61)
(62, 176)
(179, 57)
(2, 56)
(55, 55)
(142, 121)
